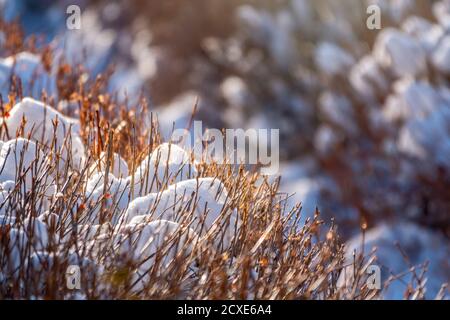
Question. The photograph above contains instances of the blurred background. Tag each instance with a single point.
(364, 115)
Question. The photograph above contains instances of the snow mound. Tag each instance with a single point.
(167, 164)
(47, 126)
(20, 158)
(114, 196)
(205, 198)
(423, 111)
(143, 243)
(29, 69)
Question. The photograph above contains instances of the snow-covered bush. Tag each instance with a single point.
(165, 244)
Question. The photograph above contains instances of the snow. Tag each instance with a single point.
(411, 99)
(366, 76)
(432, 38)
(441, 56)
(6, 219)
(139, 244)
(10, 9)
(433, 128)
(400, 52)
(40, 119)
(29, 69)
(166, 200)
(271, 32)
(408, 144)
(209, 197)
(90, 232)
(235, 91)
(303, 12)
(90, 45)
(167, 164)
(18, 158)
(38, 262)
(325, 139)
(49, 219)
(423, 111)
(5, 190)
(115, 196)
(146, 239)
(128, 84)
(17, 244)
(305, 191)
(152, 233)
(441, 10)
(333, 60)
(300, 187)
